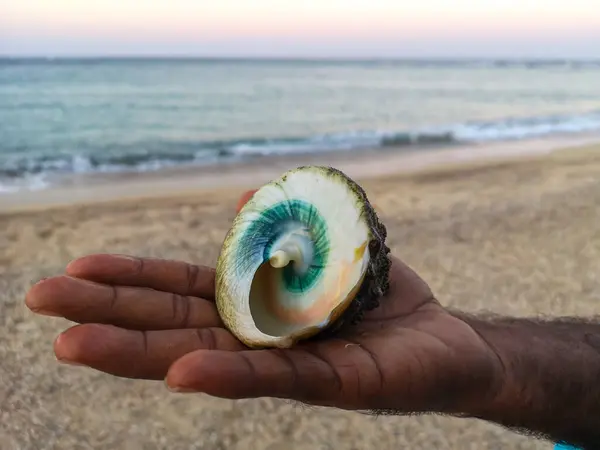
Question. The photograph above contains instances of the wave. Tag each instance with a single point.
(18, 167)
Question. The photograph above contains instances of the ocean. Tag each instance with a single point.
(73, 116)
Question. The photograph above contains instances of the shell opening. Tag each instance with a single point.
(277, 308)
(268, 314)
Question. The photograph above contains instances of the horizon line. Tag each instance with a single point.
(297, 58)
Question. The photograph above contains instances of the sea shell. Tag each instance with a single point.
(305, 253)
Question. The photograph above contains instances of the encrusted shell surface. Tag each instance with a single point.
(305, 253)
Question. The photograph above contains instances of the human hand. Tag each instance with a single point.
(156, 319)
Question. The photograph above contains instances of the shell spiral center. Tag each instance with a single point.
(290, 247)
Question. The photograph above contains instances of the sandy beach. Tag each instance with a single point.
(518, 236)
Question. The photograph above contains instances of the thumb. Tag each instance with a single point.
(292, 374)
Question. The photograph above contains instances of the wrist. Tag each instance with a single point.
(470, 377)
(489, 382)
(499, 390)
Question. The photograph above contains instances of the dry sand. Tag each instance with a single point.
(519, 238)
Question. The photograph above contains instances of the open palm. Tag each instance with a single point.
(156, 319)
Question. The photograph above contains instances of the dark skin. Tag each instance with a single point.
(156, 319)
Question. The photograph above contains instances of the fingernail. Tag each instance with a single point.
(180, 389)
(66, 362)
(125, 257)
(45, 312)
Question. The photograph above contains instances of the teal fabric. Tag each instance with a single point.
(564, 447)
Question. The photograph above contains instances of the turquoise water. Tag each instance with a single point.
(76, 116)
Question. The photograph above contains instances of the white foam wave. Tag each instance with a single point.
(32, 173)
(524, 128)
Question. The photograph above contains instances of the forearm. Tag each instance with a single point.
(550, 380)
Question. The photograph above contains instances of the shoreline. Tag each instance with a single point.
(358, 164)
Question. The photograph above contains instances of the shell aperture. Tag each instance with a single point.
(296, 257)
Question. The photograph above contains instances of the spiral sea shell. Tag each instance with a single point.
(306, 253)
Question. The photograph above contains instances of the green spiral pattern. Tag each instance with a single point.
(263, 232)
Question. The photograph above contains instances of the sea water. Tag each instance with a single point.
(70, 116)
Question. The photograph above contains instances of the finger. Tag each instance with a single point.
(160, 274)
(337, 373)
(86, 301)
(136, 354)
(253, 374)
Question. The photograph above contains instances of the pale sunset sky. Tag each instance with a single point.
(302, 28)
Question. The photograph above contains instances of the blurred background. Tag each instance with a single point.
(114, 99)
(135, 86)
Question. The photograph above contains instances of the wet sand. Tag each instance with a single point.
(515, 237)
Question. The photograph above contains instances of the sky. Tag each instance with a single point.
(302, 28)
